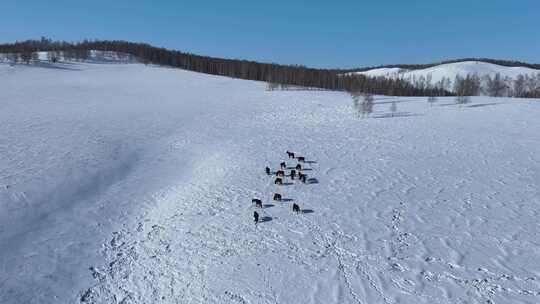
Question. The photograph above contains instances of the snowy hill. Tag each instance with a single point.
(125, 183)
(449, 72)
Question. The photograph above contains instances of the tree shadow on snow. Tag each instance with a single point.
(389, 102)
(57, 66)
(396, 115)
(483, 105)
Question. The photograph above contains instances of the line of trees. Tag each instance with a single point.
(287, 75)
(524, 86)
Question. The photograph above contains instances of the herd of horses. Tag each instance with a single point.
(295, 173)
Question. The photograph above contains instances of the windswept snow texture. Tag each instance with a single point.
(125, 183)
(451, 70)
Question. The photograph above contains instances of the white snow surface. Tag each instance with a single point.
(451, 70)
(125, 183)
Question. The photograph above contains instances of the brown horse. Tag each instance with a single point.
(280, 173)
(257, 202)
(277, 197)
(278, 181)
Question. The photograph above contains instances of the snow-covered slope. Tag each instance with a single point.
(384, 72)
(125, 183)
(451, 70)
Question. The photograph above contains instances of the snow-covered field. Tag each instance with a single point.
(125, 183)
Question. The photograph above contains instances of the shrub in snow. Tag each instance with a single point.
(461, 100)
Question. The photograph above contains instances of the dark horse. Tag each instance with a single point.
(256, 216)
(257, 202)
(298, 167)
(302, 177)
(296, 208)
(293, 174)
(290, 154)
(283, 165)
(280, 173)
(267, 170)
(277, 197)
(278, 181)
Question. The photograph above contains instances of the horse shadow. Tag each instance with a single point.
(312, 181)
(286, 199)
(268, 205)
(265, 219)
(310, 162)
(287, 184)
(307, 211)
(396, 115)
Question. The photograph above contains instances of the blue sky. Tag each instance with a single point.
(314, 33)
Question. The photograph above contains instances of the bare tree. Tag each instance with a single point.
(429, 77)
(35, 56)
(393, 107)
(52, 56)
(461, 100)
(468, 86)
(26, 56)
(431, 100)
(495, 86)
(519, 88)
(356, 94)
(271, 86)
(13, 58)
(532, 84)
(367, 105)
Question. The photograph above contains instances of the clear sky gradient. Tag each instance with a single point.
(315, 33)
